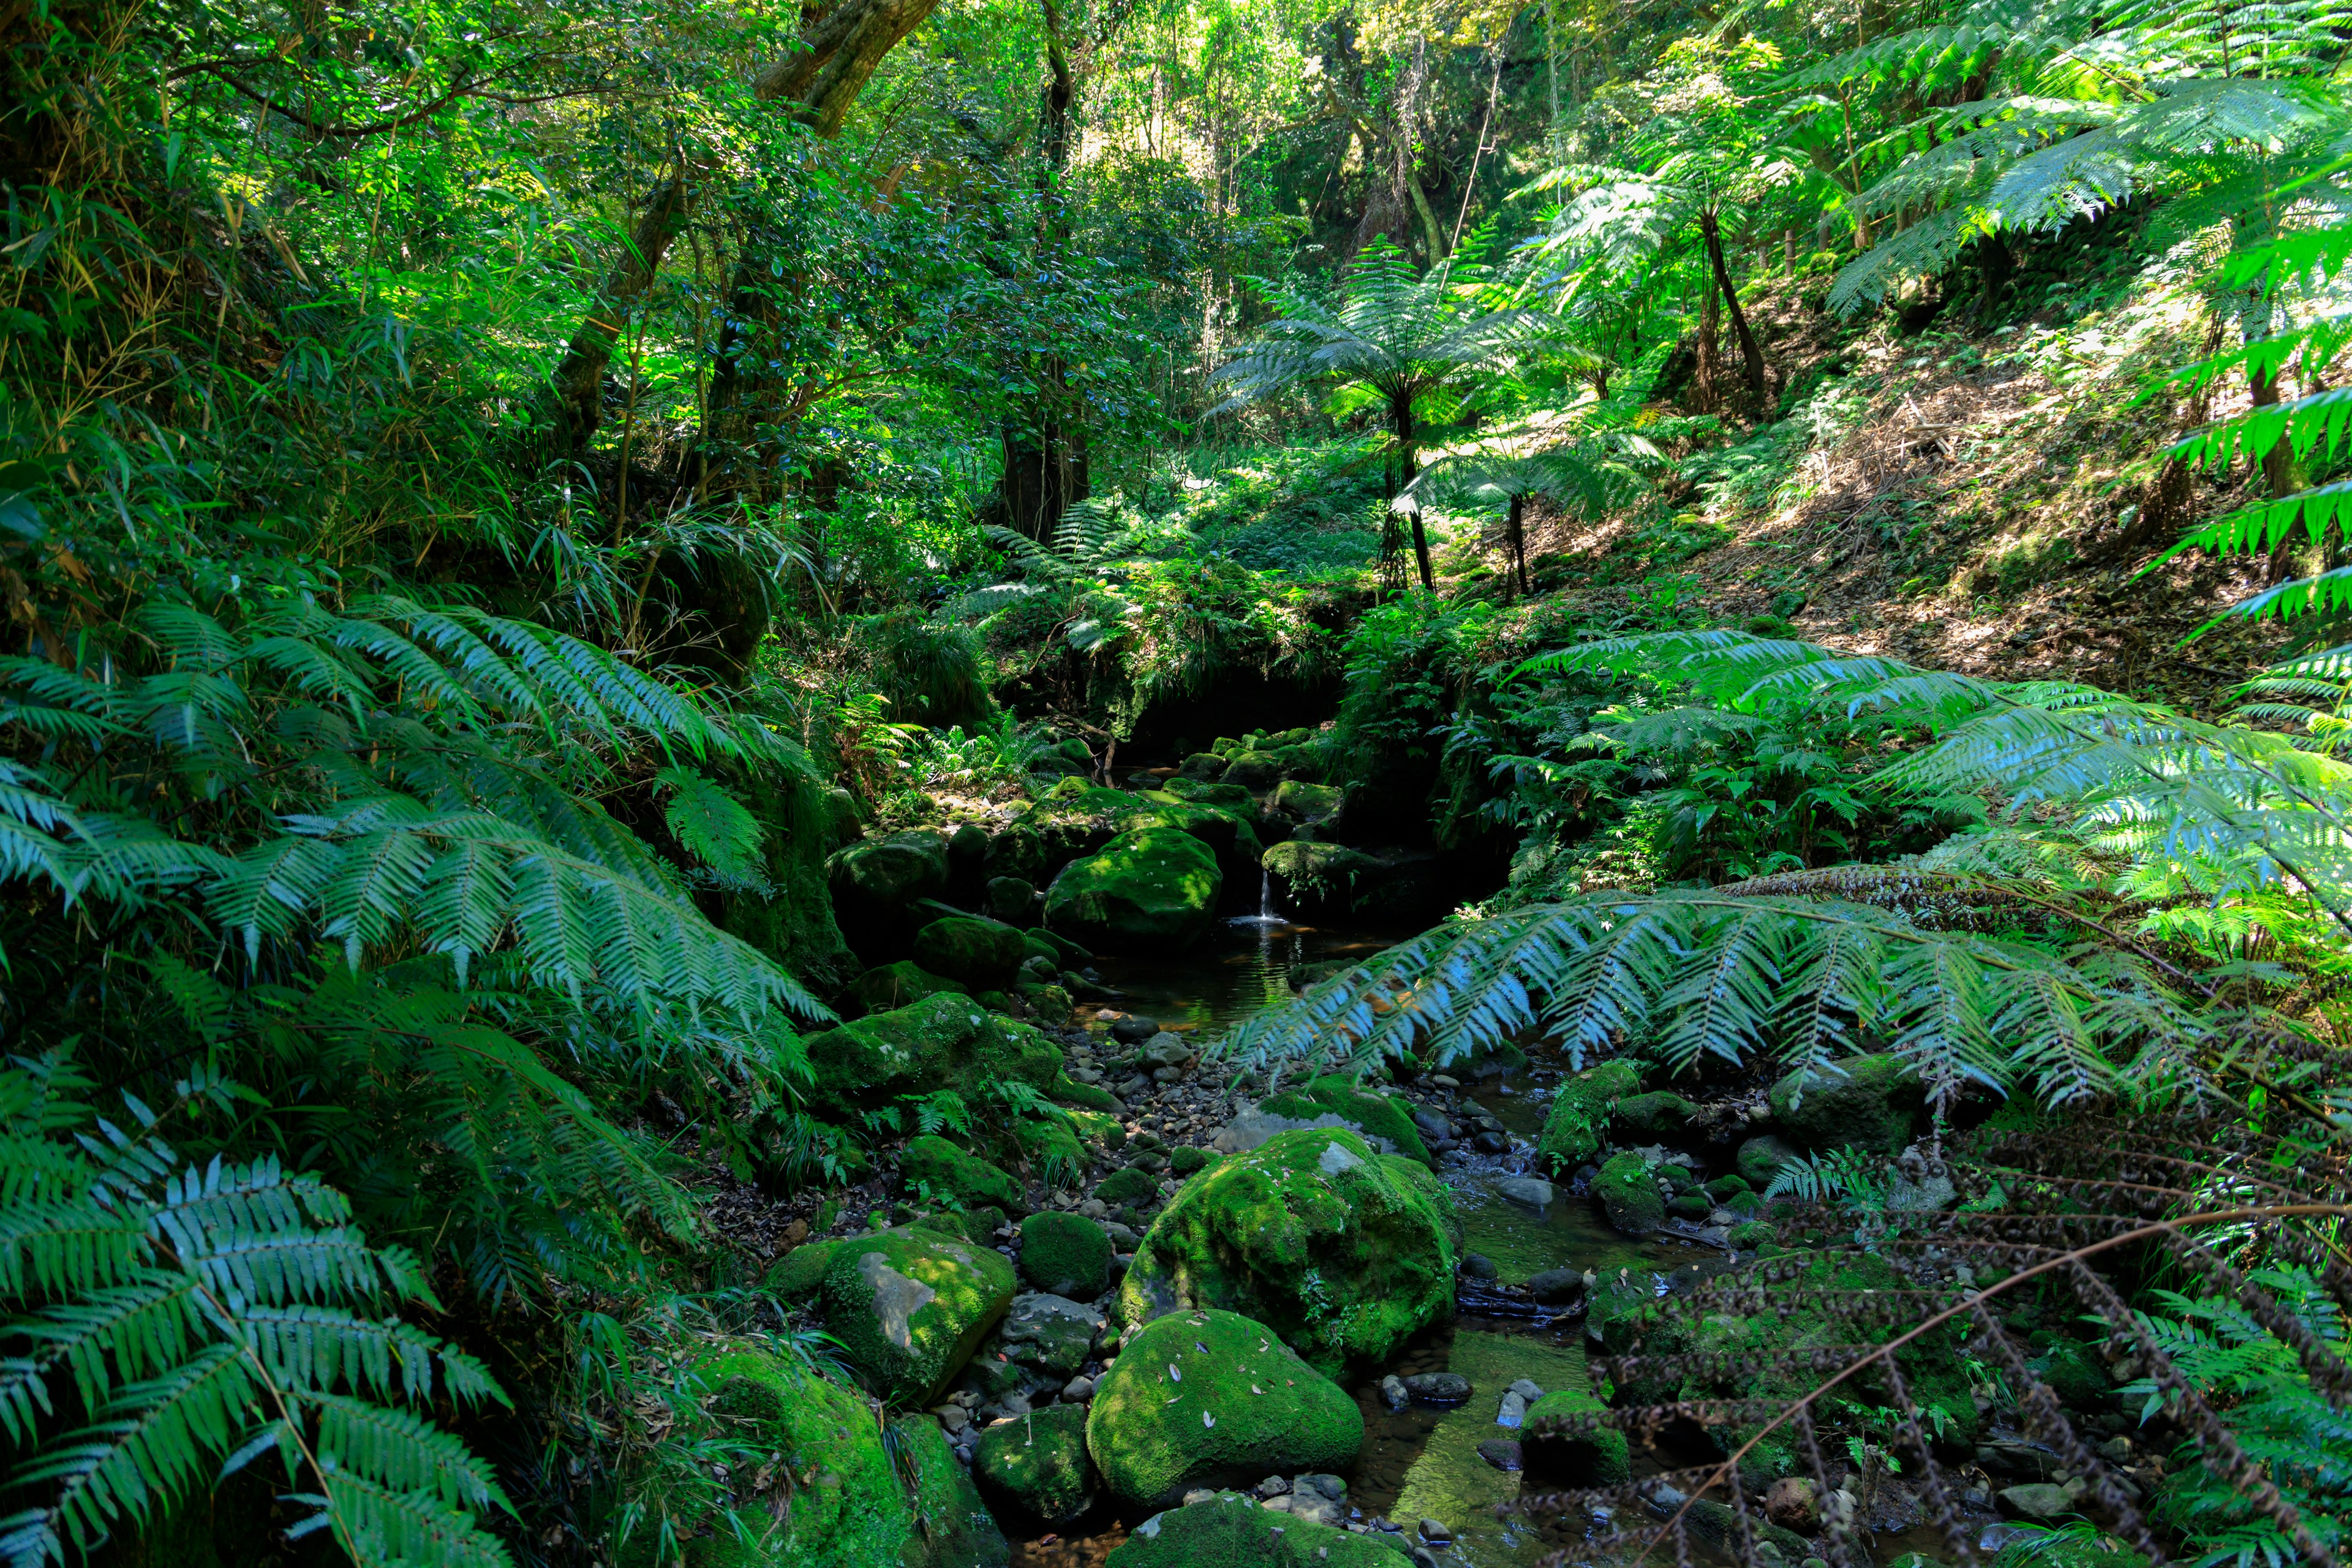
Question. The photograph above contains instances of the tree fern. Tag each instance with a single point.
(169, 1323)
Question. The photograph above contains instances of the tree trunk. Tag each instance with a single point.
(1707, 374)
(1516, 533)
(1752, 357)
(1400, 420)
(2282, 475)
(843, 49)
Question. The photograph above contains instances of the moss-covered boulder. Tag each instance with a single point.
(1629, 1195)
(1065, 1255)
(1341, 1250)
(1383, 1122)
(1867, 1102)
(1049, 1146)
(1319, 879)
(1034, 1467)
(945, 1041)
(787, 912)
(798, 1274)
(1204, 1398)
(1561, 1454)
(1761, 1158)
(1128, 1185)
(909, 1306)
(1231, 1531)
(1646, 1118)
(1578, 1123)
(847, 1502)
(1067, 953)
(983, 954)
(1309, 802)
(901, 985)
(932, 1164)
(873, 880)
(1151, 891)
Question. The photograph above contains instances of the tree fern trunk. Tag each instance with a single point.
(1519, 541)
(1400, 420)
(1751, 356)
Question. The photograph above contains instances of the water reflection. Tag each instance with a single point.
(1240, 967)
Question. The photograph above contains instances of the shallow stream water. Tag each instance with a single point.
(1419, 1462)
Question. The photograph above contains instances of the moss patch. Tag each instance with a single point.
(1629, 1195)
(1233, 1531)
(1375, 1116)
(909, 1307)
(1153, 890)
(797, 1274)
(1579, 1122)
(1865, 1101)
(947, 1171)
(1035, 1466)
(1199, 1398)
(1065, 1255)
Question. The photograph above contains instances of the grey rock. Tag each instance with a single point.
(1526, 1389)
(1273, 1486)
(1500, 1452)
(1528, 1190)
(2001, 1537)
(1438, 1387)
(1436, 1535)
(1254, 1127)
(1491, 1144)
(1514, 1412)
(1325, 1486)
(1556, 1285)
(1078, 1390)
(1133, 1031)
(2035, 1501)
(1478, 1266)
(1164, 1049)
(1393, 1392)
(1431, 1123)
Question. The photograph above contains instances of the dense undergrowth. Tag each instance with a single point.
(491, 500)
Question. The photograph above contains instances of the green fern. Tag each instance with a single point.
(168, 1324)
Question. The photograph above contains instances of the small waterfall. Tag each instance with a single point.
(1266, 914)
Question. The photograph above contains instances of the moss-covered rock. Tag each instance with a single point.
(1748, 1238)
(787, 912)
(1189, 1160)
(1727, 1186)
(797, 1275)
(1558, 1454)
(1153, 890)
(1049, 1146)
(1067, 1090)
(1579, 1122)
(1034, 1467)
(1309, 802)
(849, 1505)
(1069, 953)
(1629, 1195)
(1065, 1255)
(901, 985)
(1867, 1102)
(909, 1306)
(1330, 1243)
(1320, 879)
(1208, 1397)
(1646, 1118)
(1383, 1122)
(1231, 1531)
(983, 954)
(1761, 1158)
(933, 1164)
(874, 880)
(946, 1041)
(1254, 770)
(1128, 1185)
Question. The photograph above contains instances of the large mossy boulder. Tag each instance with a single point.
(1578, 1125)
(1627, 1194)
(909, 1306)
(1320, 879)
(1065, 1255)
(1309, 802)
(901, 985)
(945, 1041)
(1866, 1102)
(1343, 1251)
(873, 880)
(1205, 1398)
(848, 1502)
(1231, 1531)
(1151, 891)
(984, 954)
(1647, 1118)
(932, 1164)
(1034, 1467)
(1383, 1123)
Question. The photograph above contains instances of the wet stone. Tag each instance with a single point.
(1438, 1387)
(1500, 1452)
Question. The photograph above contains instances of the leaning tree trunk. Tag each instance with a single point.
(1752, 357)
(1515, 534)
(841, 50)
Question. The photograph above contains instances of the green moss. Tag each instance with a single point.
(1067, 1090)
(1691, 1205)
(947, 1171)
(1234, 1531)
(1571, 1458)
(982, 955)
(790, 917)
(1065, 1255)
(1069, 954)
(1034, 1467)
(1199, 1398)
(1867, 1102)
(898, 984)
(797, 1274)
(1629, 1195)
(1578, 1121)
(851, 1511)
(1748, 1237)
(1153, 890)
(1312, 1233)
(1761, 1159)
(1375, 1116)
(1726, 1186)
(1643, 1118)
(1128, 1185)
(1050, 1145)
(909, 1307)
(1188, 1160)
(1448, 1481)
